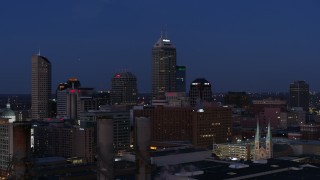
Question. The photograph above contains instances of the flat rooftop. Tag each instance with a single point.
(220, 170)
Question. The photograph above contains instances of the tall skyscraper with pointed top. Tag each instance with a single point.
(41, 87)
(164, 59)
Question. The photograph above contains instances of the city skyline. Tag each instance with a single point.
(237, 46)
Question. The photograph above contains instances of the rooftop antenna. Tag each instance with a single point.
(39, 53)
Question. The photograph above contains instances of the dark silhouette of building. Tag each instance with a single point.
(41, 87)
(200, 91)
(200, 126)
(15, 148)
(239, 99)
(56, 137)
(310, 131)
(124, 89)
(180, 79)
(163, 68)
(299, 95)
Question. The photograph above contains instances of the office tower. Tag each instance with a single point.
(61, 94)
(163, 68)
(41, 87)
(120, 119)
(299, 95)
(200, 91)
(58, 138)
(124, 89)
(103, 98)
(66, 94)
(180, 79)
(72, 99)
(14, 148)
(185, 124)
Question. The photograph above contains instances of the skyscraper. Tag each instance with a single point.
(163, 68)
(200, 90)
(124, 89)
(180, 79)
(41, 87)
(67, 98)
(299, 94)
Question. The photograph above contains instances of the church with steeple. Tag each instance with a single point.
(263, 151)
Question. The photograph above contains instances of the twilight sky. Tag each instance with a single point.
(238, 45)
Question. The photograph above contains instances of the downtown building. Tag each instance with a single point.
(119, 119)
(200, 127)
(299, 95)
(164, 59)
(41, 87)
(73, 99)
(180, 78)
(55, 137)
(200, 92)
(124, 89)
(15, 148)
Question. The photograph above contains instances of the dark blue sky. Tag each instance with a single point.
(238, 45)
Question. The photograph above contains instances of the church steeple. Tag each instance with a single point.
(257, 143)
(269, 136)
(257, 137)
(269, 147)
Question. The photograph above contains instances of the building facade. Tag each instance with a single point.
(63, 92)
(187, 124)
(299, 94)
(120, 120)
(180, 78)
(55, 138)
(14, 148)
(41, 87)
(163, 68)
(238, 99)
(200, 91)
(124, 88)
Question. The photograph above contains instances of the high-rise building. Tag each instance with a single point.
(124, 89)
(163, 68)
(41, 87)
(120, 120)
(200, 127)
(180, 79)
(299, 95)
(15, 148)
(200, 91)
(72, 100)
(58, 138)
